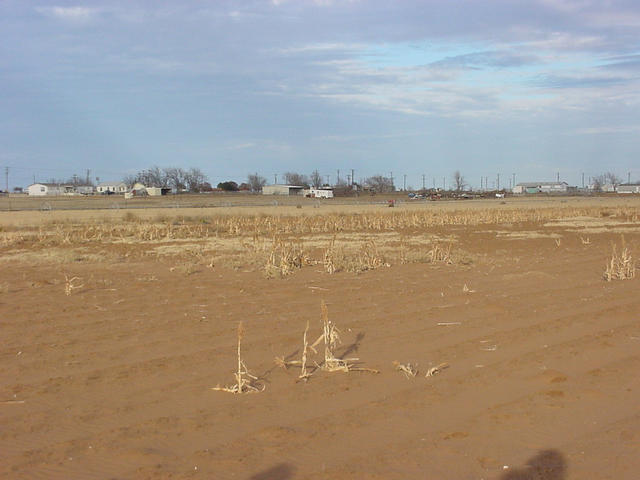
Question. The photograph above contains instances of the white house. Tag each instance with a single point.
(113, 187)
(42, 189)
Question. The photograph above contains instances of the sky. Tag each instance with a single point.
(539, 89)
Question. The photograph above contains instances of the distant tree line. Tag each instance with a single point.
(180, 180)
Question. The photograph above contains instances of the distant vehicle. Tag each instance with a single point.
(499, 195)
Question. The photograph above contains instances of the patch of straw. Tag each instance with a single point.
(437, 369)
(409, 370)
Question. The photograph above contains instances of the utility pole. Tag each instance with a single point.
(338, 177)
(348, 179)
(444, 183)
(6, 178)
(423, 185)
(404, 183)
(391, 174)
(514, 180)
(88, 173)
(628, 177)
(558, 177)
(352, 177)
(275, 178)
(481, 183)
(498, 182)
(582, 179)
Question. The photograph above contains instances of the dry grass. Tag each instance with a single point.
(148, 230)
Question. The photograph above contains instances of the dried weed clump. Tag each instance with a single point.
(440, 254)
(621, 266)
(367, 257)
(285, 258)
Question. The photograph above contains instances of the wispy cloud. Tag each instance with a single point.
(76, 14)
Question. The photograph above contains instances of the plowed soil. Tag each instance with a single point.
(114, 381)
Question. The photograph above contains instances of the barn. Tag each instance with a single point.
(282, 190)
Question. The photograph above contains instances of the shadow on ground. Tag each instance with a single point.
(547, 465)
(282, 471)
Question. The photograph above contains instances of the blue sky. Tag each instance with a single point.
(233, 87)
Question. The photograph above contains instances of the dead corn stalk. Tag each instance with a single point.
(328, 257)
(331, 337)
(409, 370)
(245, 382)
(70, 286)
(304, 373)
(437, 369)
(620, 267)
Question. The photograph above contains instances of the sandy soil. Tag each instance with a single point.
(114, 380)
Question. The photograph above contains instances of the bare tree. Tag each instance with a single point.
(256, 182)
(175, 178)
(612, 178)
(153, 177)
(129, 180)
(194, 179)
(608, 178)
(459, 182)
(316, 179)
(293, 178)
(380, 184)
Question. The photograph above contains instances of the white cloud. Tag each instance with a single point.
(70, 14)
(608, 130)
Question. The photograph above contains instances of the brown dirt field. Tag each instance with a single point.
(114, 380)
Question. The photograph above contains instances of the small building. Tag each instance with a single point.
(111, 187)
(42, 189)
(157, 191)
(282, 190)
(628, 188)
(318, 192)
(541, 187)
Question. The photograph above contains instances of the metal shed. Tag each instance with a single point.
(282, 190)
